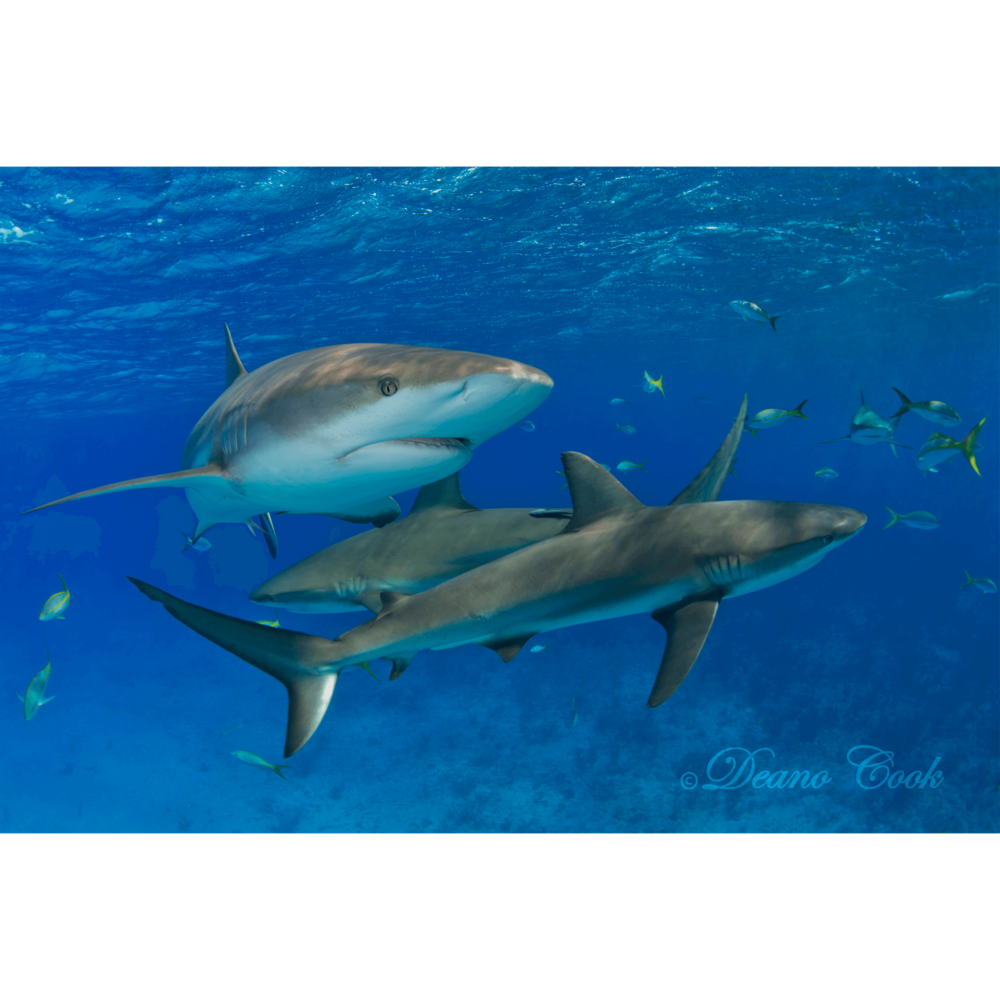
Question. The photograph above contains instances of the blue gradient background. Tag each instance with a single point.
(115, 286)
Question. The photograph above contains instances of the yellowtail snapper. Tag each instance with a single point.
(56, 604)
(940, 448)
(932, 409)
(274, 624)
(773, 418)
(750, 310)
(527, 426)
(252, 758)
(826, 473)
(202, 545)
(922, 519)
(537, 649)
(617, 401)
(629, 466)
(34, 697)
(867, 427)
(651, 384)
(982, 583)
(624, 428)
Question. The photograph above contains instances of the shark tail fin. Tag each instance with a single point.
(293, 658)
(205, 475)
(968, 446)
(797, 412)
(270, 536)
(687, 628)
(234, 367)
(772, 320)
(905, 408)
(895, 517)
(968, 580)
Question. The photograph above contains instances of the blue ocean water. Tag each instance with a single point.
(116, 285)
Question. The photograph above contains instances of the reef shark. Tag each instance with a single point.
(867, 427)
(443, 536)
(336, 430)
(614, 557)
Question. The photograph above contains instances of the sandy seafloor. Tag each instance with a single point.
(111, 351)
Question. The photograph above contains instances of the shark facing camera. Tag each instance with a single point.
(449, 574)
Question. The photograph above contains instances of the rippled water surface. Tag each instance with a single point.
(115, 287)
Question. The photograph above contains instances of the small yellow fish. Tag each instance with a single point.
(652, 384)
(252, 758)
(274, 624)
(231, 729)
(33, 698)
(56, 604)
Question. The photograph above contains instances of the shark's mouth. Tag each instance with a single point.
(437, 442)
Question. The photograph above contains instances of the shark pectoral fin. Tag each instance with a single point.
(594, 491)
(294, 658)
(234, 367)
(399, 663)
(205, 475)
(507, 646)
(308, 699)
(707, 485)
(371, 601)
(687, 628)
(267, 527)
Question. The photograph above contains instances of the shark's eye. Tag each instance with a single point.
(388, 386)
(828, 539)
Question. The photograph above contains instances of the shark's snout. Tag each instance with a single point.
(848, 523)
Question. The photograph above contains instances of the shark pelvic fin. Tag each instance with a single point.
(293, 658)
(445, 492)
(377, 512)
(399, 663)
(687, 625)
(205, 475)
(234, 367)
(267, 529)
(507, 646)
(707, 485)
(594, 491)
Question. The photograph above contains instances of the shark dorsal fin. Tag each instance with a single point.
(594, 491)
(234, 367)
(707, 485)
(444, 493)
(507, 646)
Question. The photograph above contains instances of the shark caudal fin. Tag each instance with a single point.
(707, 485)
(595, 493)
(293, 658)
(895, 517)
(206, 475)
(905, 408)
(687, 625)
(270, 536)
(234, 367)
(968, 446)
(445, 492)
(797, 412)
